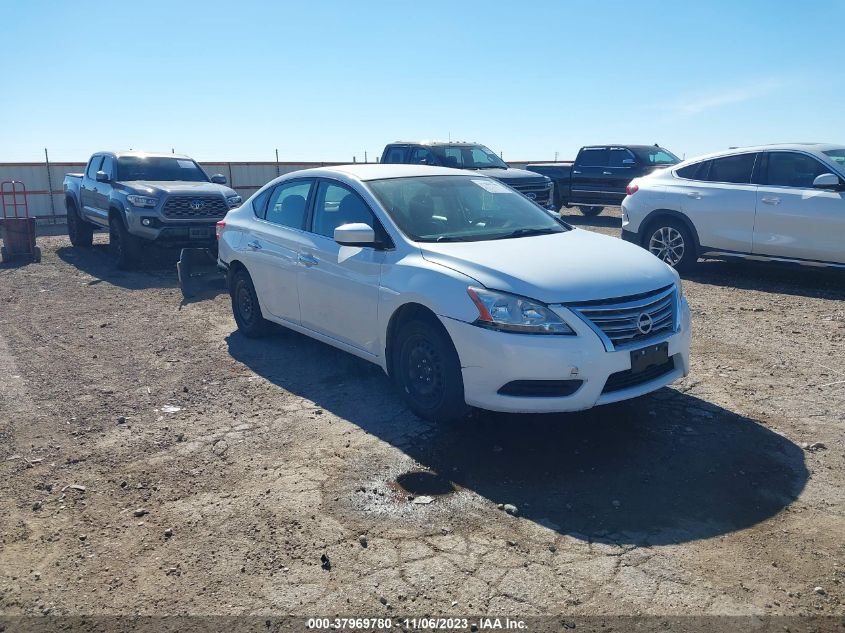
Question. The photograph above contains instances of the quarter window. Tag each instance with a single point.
(791, 169)
(289, 203)
(335, 206)
(696, 171)
(593, 157)
(259, 203)
(734, 169)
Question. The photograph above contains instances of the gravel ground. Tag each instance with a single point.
(153, 461)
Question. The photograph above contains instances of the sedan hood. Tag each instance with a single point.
(178, 187)
(558, 268)
(510, 174)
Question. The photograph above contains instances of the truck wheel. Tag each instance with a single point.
(36, 254)
(245, 306)
(4, 255)
(124, 245)
(428, 372)
(81, 233)
(670, 241)
(590, 211)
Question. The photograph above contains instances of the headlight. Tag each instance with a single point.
(142, 201)
(234, 201)
(510, 313)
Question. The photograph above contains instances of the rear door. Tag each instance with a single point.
(794, 219)
(621, 164)
(721, 201)
(272, 247)
(339, 285)
(590, 175)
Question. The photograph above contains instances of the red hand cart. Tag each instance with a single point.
(18, 229)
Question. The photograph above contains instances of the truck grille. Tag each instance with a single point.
(190, 207)
(630, 320)
(537, 190)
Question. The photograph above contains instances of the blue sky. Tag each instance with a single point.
(331, 80)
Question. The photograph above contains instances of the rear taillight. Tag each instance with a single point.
(220, 226)
(631, 189)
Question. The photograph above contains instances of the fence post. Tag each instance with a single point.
(50, 186)
(277, 163)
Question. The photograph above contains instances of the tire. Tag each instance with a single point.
(245, 306)
(590, 211)
(80, 232)
(427, 372)
(36, 254)
(670, 241)
(123, 244)
(4, 254)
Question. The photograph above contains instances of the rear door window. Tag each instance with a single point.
(733, 169)
(791, 169)
(288, 205)
(594, 157)
(396, 155)
(422, 155)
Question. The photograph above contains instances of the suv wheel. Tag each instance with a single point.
(124, 245)
(81, 233)
(245, 307)
(590, 211)
(670, 241)
(427, 372)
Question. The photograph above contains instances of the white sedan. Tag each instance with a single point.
(464, 291)
(773, 202)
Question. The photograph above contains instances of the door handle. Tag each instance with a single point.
(308, 260)
(254, 245)
(694, 194)
(770, 200)
(607, 173)
(575, 172)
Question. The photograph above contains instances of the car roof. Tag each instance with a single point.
(377, 171)
(433, 143)
(143, 154)
(815, 148)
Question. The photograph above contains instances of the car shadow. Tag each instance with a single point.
(665, 468)
(575, 218)
(157, 270)
(771, 277)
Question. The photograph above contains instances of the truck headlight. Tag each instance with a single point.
(142, 201)
(234, 201)
(512, 313)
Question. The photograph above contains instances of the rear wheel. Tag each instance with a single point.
(671, 241)
(427, 372)
(590, 211)
(81, 233)
(124, 245)
(245, 307)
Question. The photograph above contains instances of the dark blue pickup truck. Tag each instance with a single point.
(600, 174)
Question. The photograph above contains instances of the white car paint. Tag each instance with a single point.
(345, 296)
(755, 220)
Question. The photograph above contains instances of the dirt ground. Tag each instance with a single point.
(154, 461)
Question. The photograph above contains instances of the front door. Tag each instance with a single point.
(795, 220)
(339, 285)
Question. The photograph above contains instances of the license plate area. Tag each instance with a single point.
(651, 356)
(199, 233)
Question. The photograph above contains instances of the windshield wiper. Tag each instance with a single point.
(527, 233)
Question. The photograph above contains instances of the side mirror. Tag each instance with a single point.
(218, 179)
(822, 181)
(355, 234)
(102, 176)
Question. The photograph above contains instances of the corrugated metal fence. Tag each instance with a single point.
(47, 201)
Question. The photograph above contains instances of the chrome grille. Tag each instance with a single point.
(625, 321)
(189, 207)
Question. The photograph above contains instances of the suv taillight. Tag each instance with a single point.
(220, 226)
(631, 189)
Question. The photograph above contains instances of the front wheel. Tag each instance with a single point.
(590, 211)
(245, 307)
(427, 372)
(670, 241)
(123, 244)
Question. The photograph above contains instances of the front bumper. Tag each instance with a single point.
(173, 233)
(490, 360)
(631, 236)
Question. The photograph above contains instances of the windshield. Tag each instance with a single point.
(467, 157)
(837, 156)
(461, 209)
(159, 168)
(656, 156)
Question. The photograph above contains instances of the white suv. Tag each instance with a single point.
(778, 202)
(464, 291)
